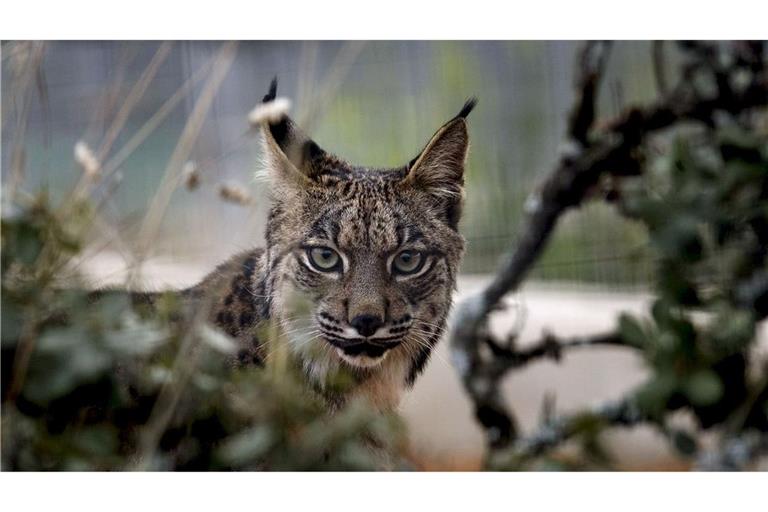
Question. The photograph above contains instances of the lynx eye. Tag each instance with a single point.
(324, 259)
(407, 262)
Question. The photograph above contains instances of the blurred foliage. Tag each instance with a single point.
(102, 381)
(705, 203)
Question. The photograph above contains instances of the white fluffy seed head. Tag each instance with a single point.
(190, 175)
(269, 112)
(87, 160)
(234, 193)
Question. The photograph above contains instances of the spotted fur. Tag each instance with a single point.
(365, 318)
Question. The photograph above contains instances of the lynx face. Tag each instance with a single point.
(378, 268)
(362, 262)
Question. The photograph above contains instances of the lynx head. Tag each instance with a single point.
(362, 262)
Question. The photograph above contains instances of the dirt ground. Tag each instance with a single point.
(442, 429)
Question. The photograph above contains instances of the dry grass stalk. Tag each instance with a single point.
(335, 76)
(87, 160)
(151, 223)
(25, 67)
(157, 118)
(133, 98)
(190, 176)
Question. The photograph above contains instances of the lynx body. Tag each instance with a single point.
(359, 265)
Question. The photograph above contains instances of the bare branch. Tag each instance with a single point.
(480, 379)
(590, 70)
(735, 454)
(659, 72)
(589, 154)
(549, 347)
(559, 430)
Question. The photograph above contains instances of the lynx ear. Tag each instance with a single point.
(439, 168)
(291, 155)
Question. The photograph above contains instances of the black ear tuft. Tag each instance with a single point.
(467, 108)
(280, 128)
(272, 94)
(313, 150)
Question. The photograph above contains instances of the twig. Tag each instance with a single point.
(23, 356)
(753, 293)
(184, 364)
(589, 72)
(134, 95)
(483, 374)
(544, 210)
(549, 347)
(659, 72)
(334, 78)
(30, 56)
(157, 118)
(735, 453)
(161, 199)
(557, 431)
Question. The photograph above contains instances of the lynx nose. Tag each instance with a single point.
(366, 325)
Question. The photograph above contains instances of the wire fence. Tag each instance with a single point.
(374, 103)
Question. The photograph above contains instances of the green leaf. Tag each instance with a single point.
(135, 336)
(660, 312)
(631, 331)
(679, 238)
(64, 359)
(112, 304)
(684, 442)
(97, 441)
(703, 388)
(247, 447)
(733, 329)
(26, 242)
(676, 286)
(652, 397)
(12, 323)
(217, 340)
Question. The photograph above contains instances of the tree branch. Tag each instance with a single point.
(589, 72)
(735, 454)
(659, 73)
(559, 430)
(588, 154)
(549, 347)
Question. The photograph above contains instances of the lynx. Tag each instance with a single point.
(359, 265)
